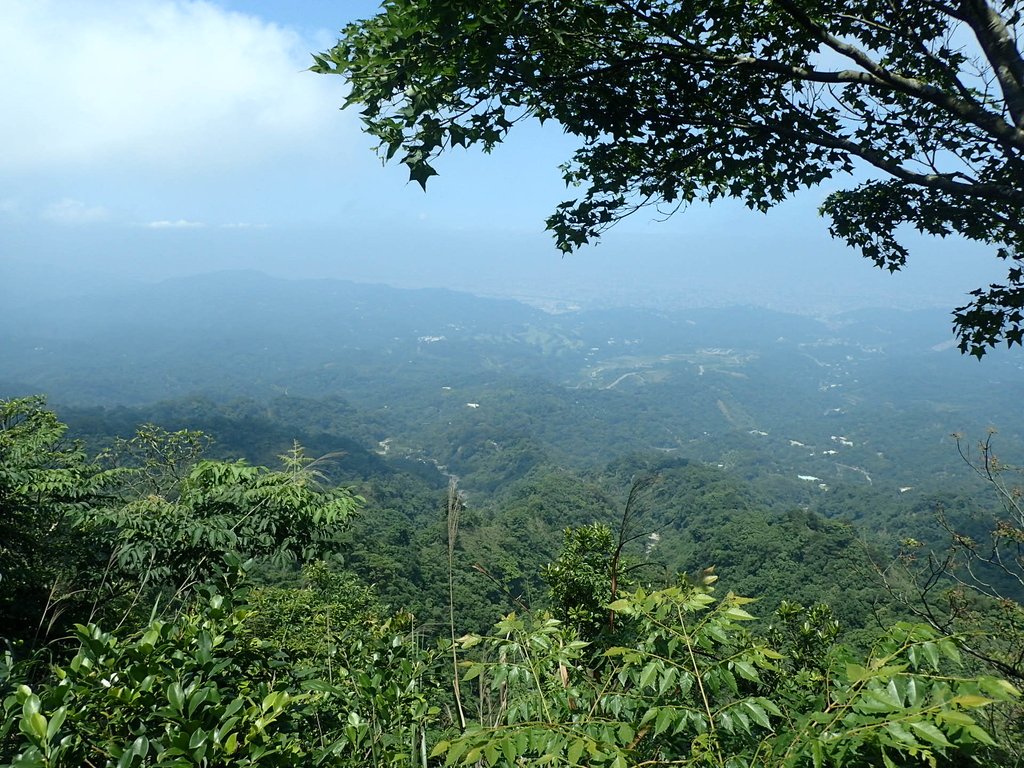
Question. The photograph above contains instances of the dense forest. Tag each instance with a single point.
(281, 523)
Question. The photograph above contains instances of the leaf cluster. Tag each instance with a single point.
(695, 687)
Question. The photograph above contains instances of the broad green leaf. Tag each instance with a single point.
(757, 713)
(898, 732)
(490, 751)
(198, 738)
(508, 749)
(625, 734)
(931, 733)
(746, 670)
(176, 696)
(817, 754)
(997, 688)
(140, 746)
(980, 735)
(34, 725)
(663, 721)
(738, 614)
(972, 700)
(649, 672)
(31, 705)
(856, 673)
(575, 752)
(954, 718)
(56, 721)
(932, 653)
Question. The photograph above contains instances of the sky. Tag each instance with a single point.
(146, 139)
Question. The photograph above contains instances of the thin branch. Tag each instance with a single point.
(454, 507)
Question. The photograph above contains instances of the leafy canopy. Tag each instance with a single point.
(675, 102)
(695, 688)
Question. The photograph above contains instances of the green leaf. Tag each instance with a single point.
(932, 653)
(176, 696)
(855, 673)
(998, 688)
(456, 751)
(931, 733)
(664, 720)
(199, 737)
(747, 671)
(626, 734)
(420, 172)
(491, 753)
(56, 721)
(648, 673)
(972, 700)
(34, 725)
(953, 717)
(757, 713)
(980, 735)
(899, 733)
(738, 614)
(508, 749)
(140, 746)
(817, 754)
(575, 752)
(31, 705)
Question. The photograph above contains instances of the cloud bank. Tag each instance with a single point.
(166, 86)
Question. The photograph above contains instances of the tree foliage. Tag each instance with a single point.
(209, 688)
(45, 480)
(323, 674)
(695, 688)
(676, 102)
(972, 582)
(319, 674)
(176, 540)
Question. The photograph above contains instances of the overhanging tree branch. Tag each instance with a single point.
(676, 101)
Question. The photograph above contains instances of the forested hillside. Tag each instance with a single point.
(501, 458)
(594, 476)
(155, 614)
(742, 414)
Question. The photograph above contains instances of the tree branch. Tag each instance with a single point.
(1001, 51)
(992, 123)
(937, 181)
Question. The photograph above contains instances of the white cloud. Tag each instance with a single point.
(178, 224)
(156, 85)
(70, 211)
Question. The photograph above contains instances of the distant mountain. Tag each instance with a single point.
(454, 378)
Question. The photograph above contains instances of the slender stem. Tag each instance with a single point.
(454, 507)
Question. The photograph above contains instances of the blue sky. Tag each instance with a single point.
(152, 138)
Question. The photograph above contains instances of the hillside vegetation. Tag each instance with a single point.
(610, 482)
